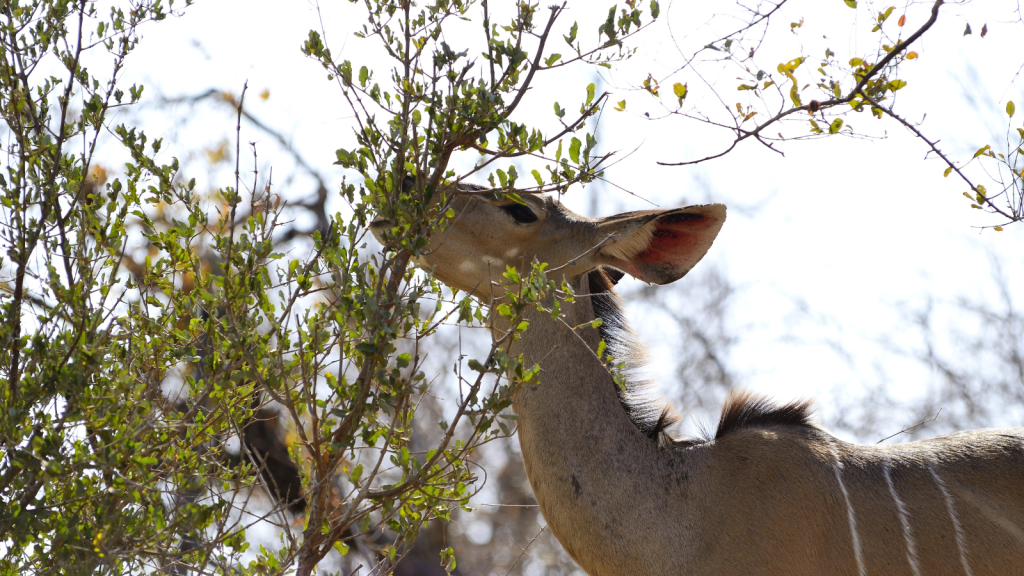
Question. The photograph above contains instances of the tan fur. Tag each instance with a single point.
(628, 246)
(763, 497)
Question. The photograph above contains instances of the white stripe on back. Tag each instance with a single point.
(961, 542)
(861, 569)
(905, 521)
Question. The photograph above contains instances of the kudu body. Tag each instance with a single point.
(772, 493)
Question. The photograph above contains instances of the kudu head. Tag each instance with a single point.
(489, 233)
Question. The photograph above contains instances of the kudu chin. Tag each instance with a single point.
(772, 493)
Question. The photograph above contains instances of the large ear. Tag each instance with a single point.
(659, 246)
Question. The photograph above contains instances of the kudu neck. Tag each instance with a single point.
(585, 458)
(574, 397)
(566, 349)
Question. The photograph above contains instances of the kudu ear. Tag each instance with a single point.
(659, 246)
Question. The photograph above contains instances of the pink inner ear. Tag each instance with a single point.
(678, 240)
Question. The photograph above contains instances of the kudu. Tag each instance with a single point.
(772, 493)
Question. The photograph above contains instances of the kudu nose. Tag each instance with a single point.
(377, 228)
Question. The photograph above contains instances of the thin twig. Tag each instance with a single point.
(521, 554)
(857, 91)
(934, 418)
(935, 148)
(235, 197)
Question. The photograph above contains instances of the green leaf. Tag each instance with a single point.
(746, 87)
(574, 150)
(476, 365)
(590, 93)
(851, 3)
(1010, 108)
(403, 360)
(947, 171)
(364, 75)
(835, 126)
(794, 95)
(982, 150)
(341, 547)
(572, 34)
(620, 106)
(536, 176)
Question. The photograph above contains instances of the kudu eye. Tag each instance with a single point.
(521, 213)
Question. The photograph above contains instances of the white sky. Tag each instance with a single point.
(859, 229)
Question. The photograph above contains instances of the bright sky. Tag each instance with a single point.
(860, 230)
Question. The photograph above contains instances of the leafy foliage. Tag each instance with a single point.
(149, 326)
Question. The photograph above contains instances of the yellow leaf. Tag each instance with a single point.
(982, 150)
(1010, 108)
(946, 173)
(902, 21)
(999, 228)
(265, 94)
(680, 91)
(791, 65)
(911, 55)
(896, 85)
